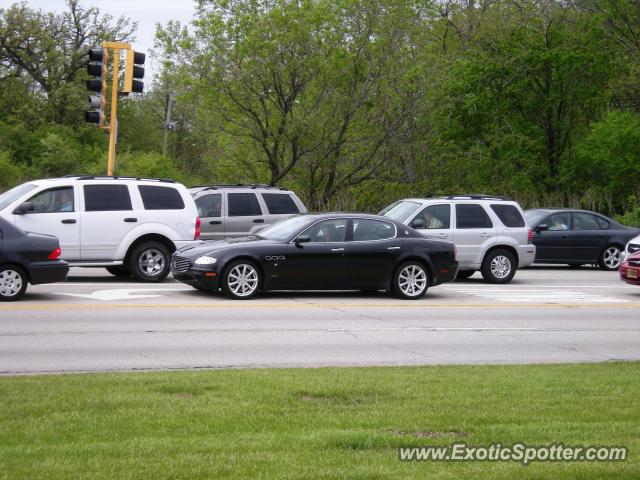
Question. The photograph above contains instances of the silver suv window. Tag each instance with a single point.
(472, 215)
(509, 215)
(435, 216)
(210, 205)
(243, 205)
(280, 203)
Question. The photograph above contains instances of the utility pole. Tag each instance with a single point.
(168, 124)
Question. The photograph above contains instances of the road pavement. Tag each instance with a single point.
(96, 322)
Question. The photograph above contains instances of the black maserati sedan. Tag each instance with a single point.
(577, 237)
(27, 258)
(320, 252)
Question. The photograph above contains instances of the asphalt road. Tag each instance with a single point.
(96, 322)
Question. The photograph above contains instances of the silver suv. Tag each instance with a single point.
(490, 233)
(229, 211)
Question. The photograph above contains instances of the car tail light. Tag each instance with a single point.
(55, 254)
(530, 236)
(197, 235)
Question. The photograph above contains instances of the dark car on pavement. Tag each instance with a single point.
(630, 269)
(320, 252)
(27, 258)
(577, 237)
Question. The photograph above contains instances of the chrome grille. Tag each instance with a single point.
(633, 248)
(180, 264)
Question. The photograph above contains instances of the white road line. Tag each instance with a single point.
(538, 295)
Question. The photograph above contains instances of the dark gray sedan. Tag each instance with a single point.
(578, 237)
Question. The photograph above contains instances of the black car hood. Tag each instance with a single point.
(230, 244)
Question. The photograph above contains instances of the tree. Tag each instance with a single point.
(47, 52)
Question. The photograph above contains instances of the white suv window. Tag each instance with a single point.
(106, 198)
(160, 198)
(53, 200)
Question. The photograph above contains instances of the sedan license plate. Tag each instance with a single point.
(632, 273)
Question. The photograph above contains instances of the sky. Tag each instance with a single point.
(146, 12)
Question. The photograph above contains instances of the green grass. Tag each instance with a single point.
(313, 423)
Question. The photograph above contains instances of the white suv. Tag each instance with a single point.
(129, 225)
(490, 233)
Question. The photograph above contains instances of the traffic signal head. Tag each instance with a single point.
(96, 68)
(134, 72)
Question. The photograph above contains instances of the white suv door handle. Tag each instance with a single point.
(337, 249)
(393, 248)
(442, 235)
(485, 235)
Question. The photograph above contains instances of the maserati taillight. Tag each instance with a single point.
(55, 254)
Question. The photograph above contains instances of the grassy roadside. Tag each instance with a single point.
(313, 423)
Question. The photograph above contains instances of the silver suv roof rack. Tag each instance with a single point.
(239, 185)
(470, 196)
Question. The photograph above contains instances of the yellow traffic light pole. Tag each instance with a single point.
(112, 127)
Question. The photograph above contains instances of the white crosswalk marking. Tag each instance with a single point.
(537, 295)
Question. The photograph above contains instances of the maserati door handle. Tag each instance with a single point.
(393, 248)
(337, 249)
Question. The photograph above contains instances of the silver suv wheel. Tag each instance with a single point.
(500, 266)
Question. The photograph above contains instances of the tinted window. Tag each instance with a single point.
(328, 231)
(278, 203)
(508, 215)
(604, 224)
(559, 221)
(434, 216)
(210, 205)
(470, 215)
(160, 198)
(106, 198)
(365, 229)
(243, 204)
(54, 200)
(585, 221)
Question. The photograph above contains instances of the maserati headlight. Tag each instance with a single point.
(205, 260)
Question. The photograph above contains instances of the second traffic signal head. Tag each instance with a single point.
(134, 72)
